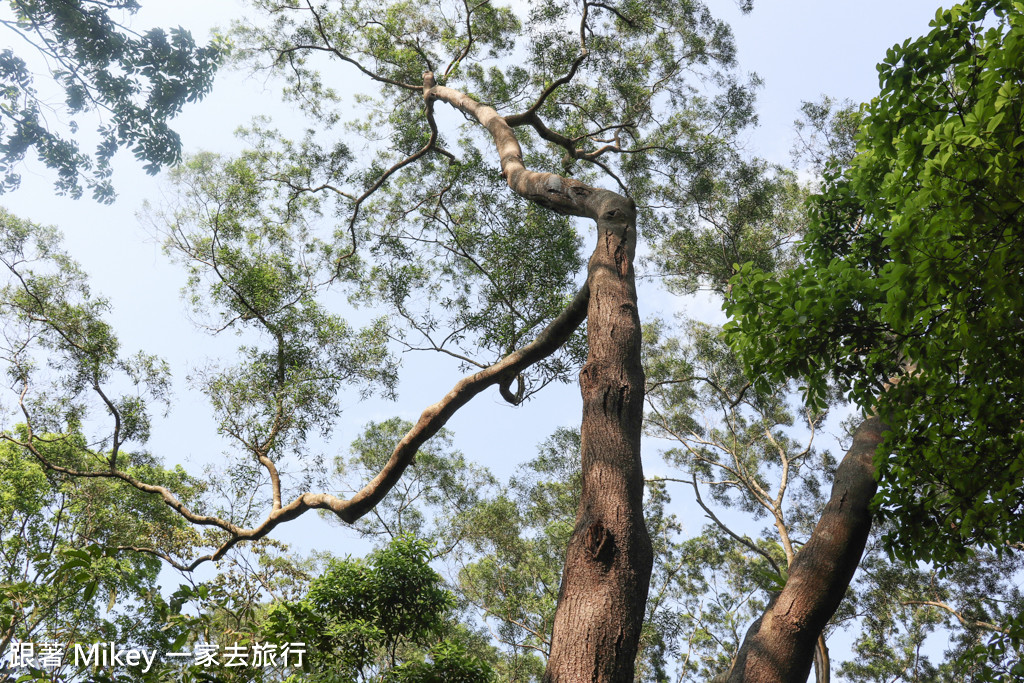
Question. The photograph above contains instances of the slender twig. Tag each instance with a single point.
(969, 623)
(721, 525)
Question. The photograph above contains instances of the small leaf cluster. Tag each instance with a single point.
(259, 265)
(136, 81)
(59, 349)
(750, 212)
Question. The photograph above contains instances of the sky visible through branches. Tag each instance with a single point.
(800, 48)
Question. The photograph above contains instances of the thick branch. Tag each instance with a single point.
(779, 647)
(553, 192)
(435, 416)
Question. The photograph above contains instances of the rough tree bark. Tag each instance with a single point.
(779, 647)
(608, 563)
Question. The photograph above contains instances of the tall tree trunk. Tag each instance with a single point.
(608, 563)
(779, 647)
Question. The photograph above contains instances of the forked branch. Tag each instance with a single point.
(554, 192)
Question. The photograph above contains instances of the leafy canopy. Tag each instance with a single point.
(913, 269)
(470, 269)
(65, 576)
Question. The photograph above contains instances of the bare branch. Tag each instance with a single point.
(968, 623)
(721, 525)
(534, 121)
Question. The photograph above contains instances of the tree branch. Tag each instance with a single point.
(530, 114)
(968, 623)
(553, 192)
(711, 515)
(550, 339)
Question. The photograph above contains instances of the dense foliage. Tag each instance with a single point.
(382, 619)
(912, 271)
(63, 565)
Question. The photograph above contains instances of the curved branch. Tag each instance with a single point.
(553, 192)
(506, 390)
(550, 339)
(721, 525)
(434, 417)
(531, 113)
(534, 121)
(562, 195)
(626, 20)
